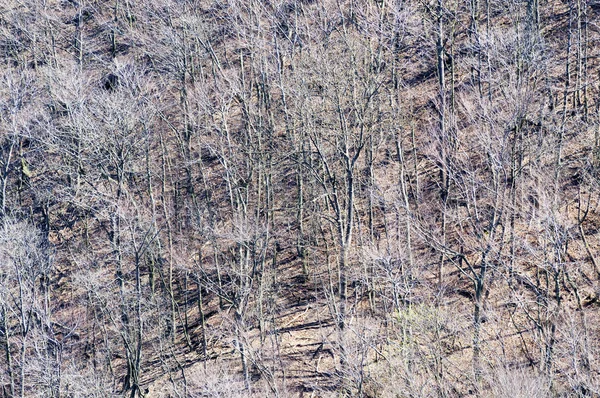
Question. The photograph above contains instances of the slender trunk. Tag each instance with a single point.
(443, 142)
(4, 331)
(5, 172)
(169, 281)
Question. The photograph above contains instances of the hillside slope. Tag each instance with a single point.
(235, 198)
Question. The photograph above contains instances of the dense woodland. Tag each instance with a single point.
(299, 198)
